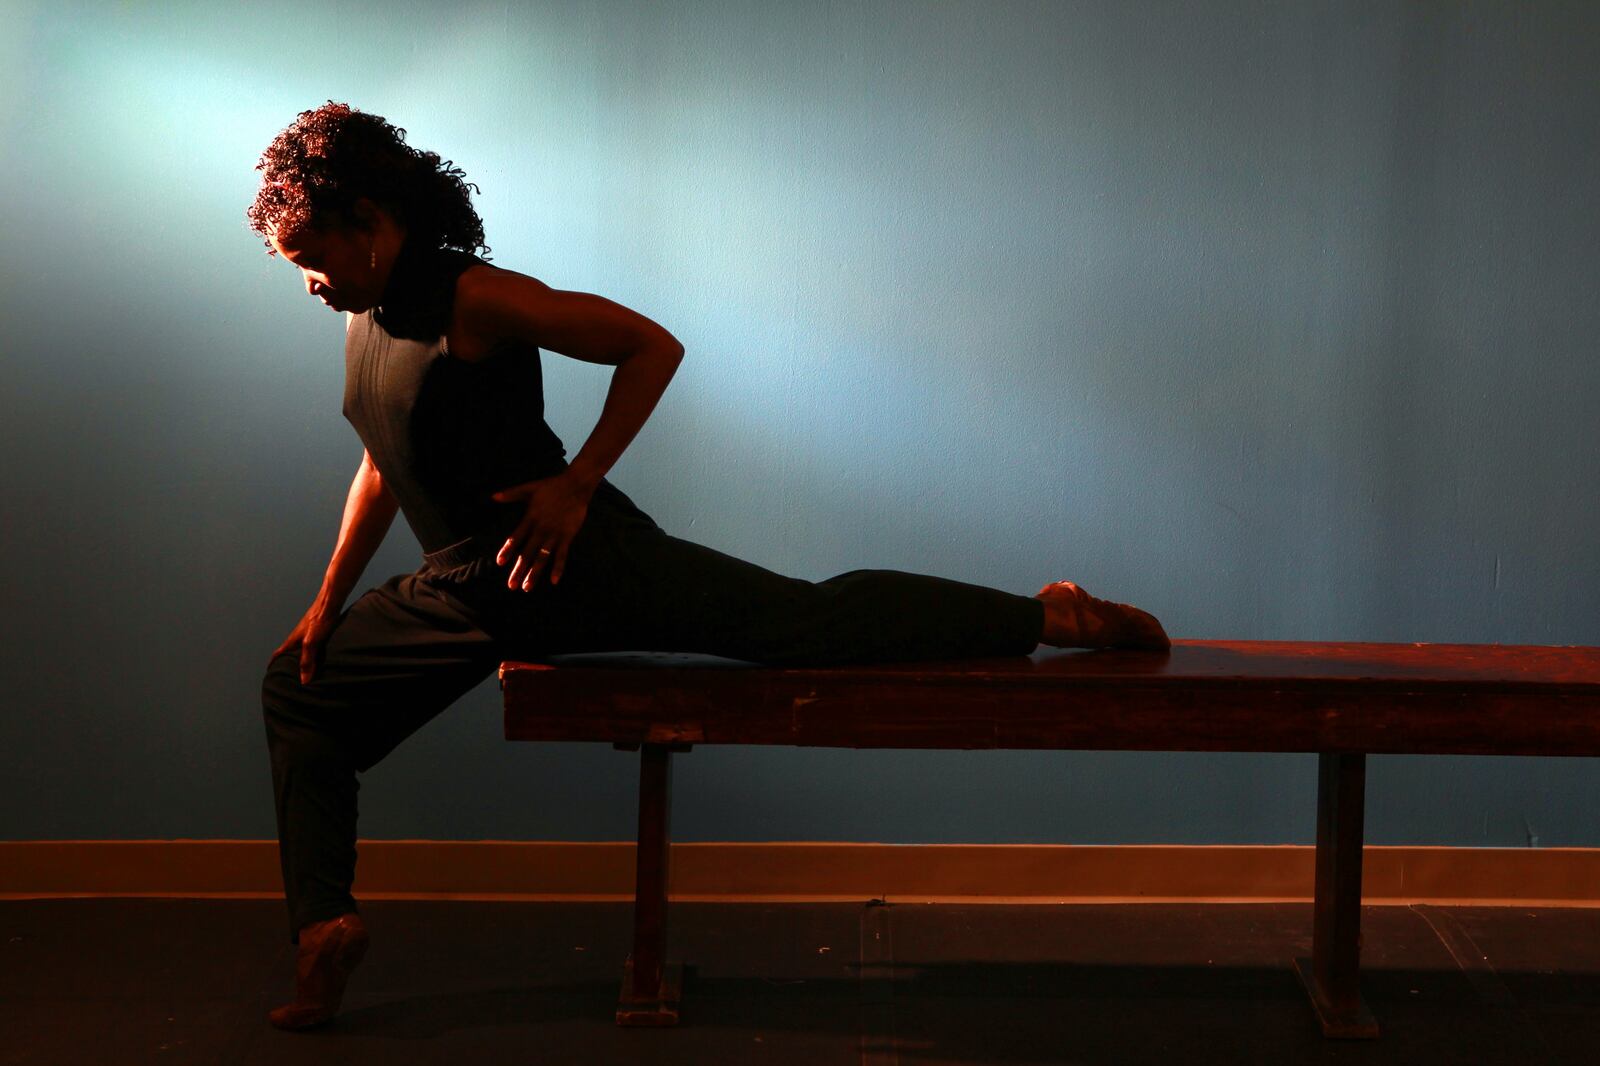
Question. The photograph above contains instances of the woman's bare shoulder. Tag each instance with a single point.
(481, 316)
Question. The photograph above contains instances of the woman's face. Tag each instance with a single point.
(336, 264)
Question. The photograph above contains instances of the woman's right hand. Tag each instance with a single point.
(309, 635)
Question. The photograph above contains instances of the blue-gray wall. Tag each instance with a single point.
(1278, 319)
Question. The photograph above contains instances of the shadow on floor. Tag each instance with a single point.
(181, 981)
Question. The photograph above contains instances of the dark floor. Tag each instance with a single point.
(189, 981)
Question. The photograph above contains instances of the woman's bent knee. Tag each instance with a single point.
(281, 683)
(296, 719)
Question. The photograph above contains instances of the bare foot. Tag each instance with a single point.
(328, 951)
(1075, 619)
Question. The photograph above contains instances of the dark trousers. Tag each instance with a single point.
(409, 648)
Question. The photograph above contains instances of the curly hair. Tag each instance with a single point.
(328, 157)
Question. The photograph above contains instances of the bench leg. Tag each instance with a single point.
(651, 988)
(1332, 973)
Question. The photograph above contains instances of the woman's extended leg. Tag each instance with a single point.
(703, 600)
(631, 585)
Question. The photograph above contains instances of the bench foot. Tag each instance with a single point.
(658, 1008)
(1353, 1022)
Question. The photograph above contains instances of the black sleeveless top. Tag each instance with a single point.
(444, 433)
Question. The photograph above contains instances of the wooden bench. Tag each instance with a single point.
(1339, 700)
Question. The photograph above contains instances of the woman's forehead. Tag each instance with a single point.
(293, 243)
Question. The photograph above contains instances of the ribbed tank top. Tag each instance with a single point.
(444, 433)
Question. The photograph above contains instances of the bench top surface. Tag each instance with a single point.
(1198, 662)
(1201, 696)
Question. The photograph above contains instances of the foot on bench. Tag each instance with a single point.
(1075, 619)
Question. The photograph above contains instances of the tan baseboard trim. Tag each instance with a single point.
(808, 872)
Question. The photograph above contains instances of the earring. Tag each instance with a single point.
(374, 259)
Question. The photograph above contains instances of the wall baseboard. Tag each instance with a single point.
(808, 872)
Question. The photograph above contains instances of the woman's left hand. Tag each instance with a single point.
(556, 507)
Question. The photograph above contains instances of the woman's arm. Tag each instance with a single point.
(496, 304)
(369, 511)
(636, 385)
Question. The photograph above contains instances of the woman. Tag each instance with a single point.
(525, 553)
